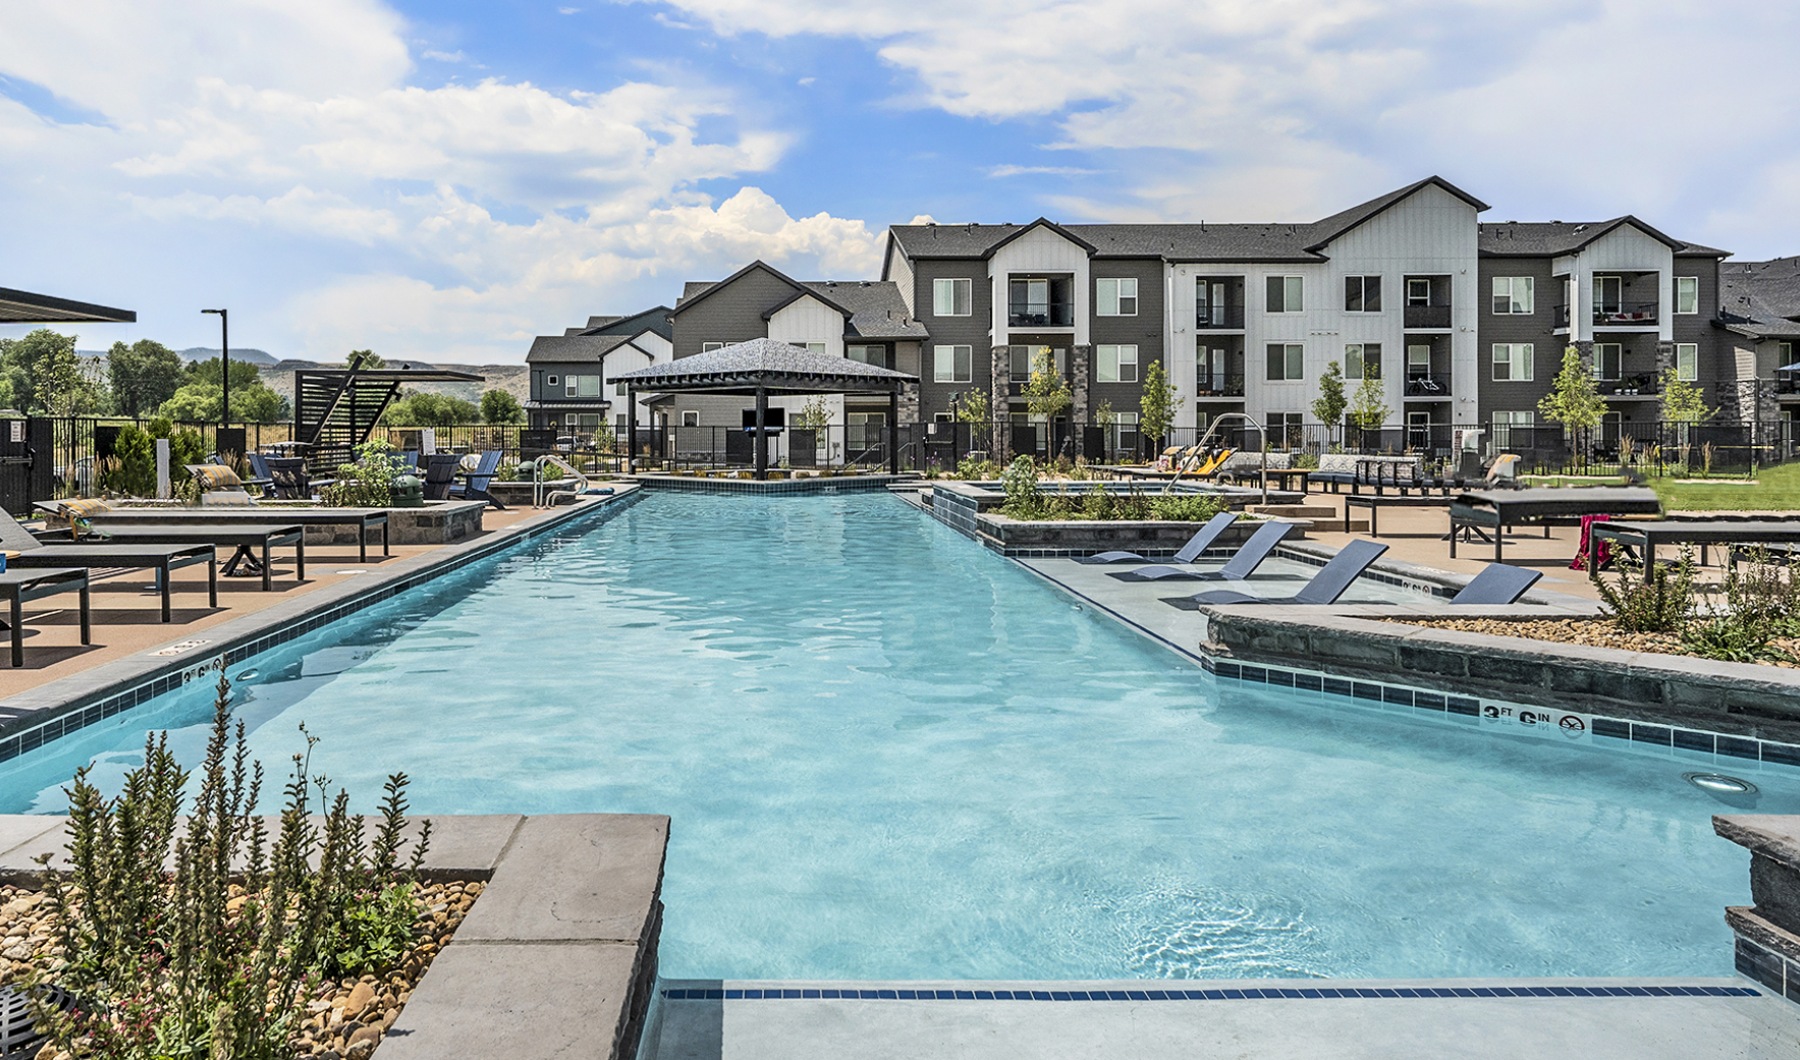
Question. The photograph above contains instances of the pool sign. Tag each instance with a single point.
(1549, 722)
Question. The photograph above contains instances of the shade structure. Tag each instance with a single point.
(1789, 368)
(762, 367)
(24, 307)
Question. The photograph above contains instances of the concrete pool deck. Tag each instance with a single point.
(1689, 1018)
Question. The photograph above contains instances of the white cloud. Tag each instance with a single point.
(1261, 109)
(568, 10)
(444, 57)
(1037, 171)
(340, 200)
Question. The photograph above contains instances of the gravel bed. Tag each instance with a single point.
(344, 1020)
(1594, 632)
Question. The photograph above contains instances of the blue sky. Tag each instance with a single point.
(445, 180)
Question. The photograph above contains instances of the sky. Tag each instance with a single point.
(444, 180)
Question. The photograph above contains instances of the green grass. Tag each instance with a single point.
(1775, 489)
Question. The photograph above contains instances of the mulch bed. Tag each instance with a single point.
(1597, 633)
(344, 1020)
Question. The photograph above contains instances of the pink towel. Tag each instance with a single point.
(1605, 554)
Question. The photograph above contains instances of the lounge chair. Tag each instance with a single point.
(162, 558)
(1497, 584)
(474, 486)
(1324, 588)
(1195, 547)
(1241, 565)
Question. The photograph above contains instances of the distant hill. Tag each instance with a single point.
(515, 379)
(247, 354)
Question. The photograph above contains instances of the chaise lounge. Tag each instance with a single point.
(1241, 565)
(1195, 547)
(162, 558)
(1325, 587)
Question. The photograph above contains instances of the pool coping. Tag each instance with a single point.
(559, 950)
(40, 715)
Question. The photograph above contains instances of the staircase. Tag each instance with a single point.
(335, 410)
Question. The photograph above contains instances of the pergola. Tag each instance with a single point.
(23, 307)
(762, 367)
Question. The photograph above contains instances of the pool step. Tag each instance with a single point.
(1324, 516)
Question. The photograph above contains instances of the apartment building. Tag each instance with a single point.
(571, 392)
(1759, 312)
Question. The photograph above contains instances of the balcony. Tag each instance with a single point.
(1040, 315)
(1626, 315)
(1643, 384)
(1434, 385)
(1787, 385)
(1562, 316)
(1216, 385)
(1227, 318)
(1428, 316)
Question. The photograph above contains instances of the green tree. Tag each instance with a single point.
(1368, 406)
(1574, 402)
(143, 375)
(41, 372)
(1157, 406)
(498, 406)
(1104, 414)
(425, 409)
(1682, 403)
(815, 415)
(370, 359)
(199, 397)
(1047, 391)
(1328, 408)
(972, 406)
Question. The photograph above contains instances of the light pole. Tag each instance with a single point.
(224, 364)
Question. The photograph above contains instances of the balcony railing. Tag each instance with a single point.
(1787, 383)
(1625, 314)
(1215, 385)
(1643, 384)
(1427, 316)
(1434, 385)
(1562, 316)
(1231, 317)
(1040, 315)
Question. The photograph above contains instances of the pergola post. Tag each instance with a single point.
(630, 429)
(894, 432)
(762, 439)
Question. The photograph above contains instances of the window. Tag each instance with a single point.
(690, 418)
(1287, 294)
(1287, 360)
(1363, 360)
(1115, 364)
(1504, 422)
(1021, 357)
(708, 347)
(621, 390)
(1418, 362)
(875, 355)
(1512, 362)
(1287, 430)
(1418, 291)
(1515, 295)
(1687, 361)
(1362, 294)
(950, 298)
(551, 380)
(1116, 298)
(1687, 295)
(813, 347)
(1609, 295)
(1609, 358)
(950, 364)
(581, 386)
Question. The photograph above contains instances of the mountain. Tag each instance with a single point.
(261, 358)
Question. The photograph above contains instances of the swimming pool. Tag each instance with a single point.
(891, 754)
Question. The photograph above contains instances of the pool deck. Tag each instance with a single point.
(1689, 1018)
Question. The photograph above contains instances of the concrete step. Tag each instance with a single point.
(1297, 511)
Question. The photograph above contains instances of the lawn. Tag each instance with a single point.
(1775, 489)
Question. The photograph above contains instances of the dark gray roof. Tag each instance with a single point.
(1546, 239)
(1761, 299)
(1277, 242)
(778, 366)
(23, 307)
(572, 349)
(655, 319)
(877, 311)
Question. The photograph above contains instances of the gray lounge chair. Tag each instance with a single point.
(161, 557)
(1497, 584)
(1196, 546)
(1241, 565)
(1324, 588)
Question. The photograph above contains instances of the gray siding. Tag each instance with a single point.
(1537, 329)
(730, 315)
(970, 331)
(1718, 365)
(1144, 330)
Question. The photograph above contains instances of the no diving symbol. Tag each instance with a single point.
(1571, 723)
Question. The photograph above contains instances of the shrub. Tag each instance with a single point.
(1133, 506)
(368, 483)
(1020, 482)
(131, 471)
(1097, 504)
(1759, 606)
(971, 468)
(1661, 604)
(199, 938)
(1186, 507)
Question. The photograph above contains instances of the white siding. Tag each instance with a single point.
(641, 352)
(900, 270)
(809, 320)
(1627, 249)
(1040, 250)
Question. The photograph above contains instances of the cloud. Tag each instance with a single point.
(337, 198)
(1257, 109)
(1035, 171)
(444, 57)
(568, 10)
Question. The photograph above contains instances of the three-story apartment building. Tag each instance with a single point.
(1759, 311)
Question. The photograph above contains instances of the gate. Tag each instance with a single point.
(27, 463)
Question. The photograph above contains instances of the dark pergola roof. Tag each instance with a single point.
(23, 307)
(768, 365)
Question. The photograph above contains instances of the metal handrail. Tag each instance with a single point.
(538, 492)
(1262, 432)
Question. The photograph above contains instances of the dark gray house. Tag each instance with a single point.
(570, 389)
(1759, 316)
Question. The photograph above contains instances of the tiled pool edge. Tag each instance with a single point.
(557, 956)
(1767, 934)
(42, 714)
(775, 487)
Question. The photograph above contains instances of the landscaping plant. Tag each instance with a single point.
(1662, 603)
(200, 937)
(368, 483)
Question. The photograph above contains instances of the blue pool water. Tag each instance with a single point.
(889, 753)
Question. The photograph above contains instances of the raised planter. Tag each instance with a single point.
(438, 523)
(971, 509)
(1767, 947)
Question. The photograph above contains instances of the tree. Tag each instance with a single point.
(1157, 406)
(815, 415)
(972, 406)
(370, 359)
(1574, 401)
(42, 373)
(1368, 407)
(1328, 408)
(199, 398)
(498, 406)
(143, 375)
(1047, 391)
(1682, 403)
(425, 409)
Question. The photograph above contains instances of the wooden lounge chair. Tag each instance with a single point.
(1195, 547)
(474, 486)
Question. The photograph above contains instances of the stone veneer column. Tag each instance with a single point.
(1080, 360)
(1665, 357)
(909, 403)
(997, 403)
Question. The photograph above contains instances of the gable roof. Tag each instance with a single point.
(655, 319)
(1761, 299)
(694, 293)
(872, 309)
(1547, 239)
(573, 349)
(1042, 222)
(769, 363)
(1337, 224)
